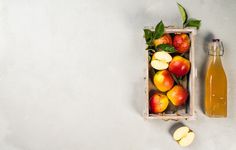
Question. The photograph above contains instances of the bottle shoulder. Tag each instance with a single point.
(216, 72)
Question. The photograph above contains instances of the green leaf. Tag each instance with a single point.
(184, 81)
(151, 52)
(167, 48)
(149, 58)
(193, 23)
(180, 78)
(150, 47)
(183, 13)
(175, 78)
(159, 30)
(148, 34)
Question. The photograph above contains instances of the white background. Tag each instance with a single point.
(71, 74)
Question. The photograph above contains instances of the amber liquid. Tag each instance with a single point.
(215, 88)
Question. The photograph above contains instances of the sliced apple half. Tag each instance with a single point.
(187, 140)
(184, 136)
(159, 65)
(160, 60)
(180, 133)
(163, 56)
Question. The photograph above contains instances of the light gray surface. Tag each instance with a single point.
(71, 74)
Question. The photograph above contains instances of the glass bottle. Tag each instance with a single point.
(215, 82)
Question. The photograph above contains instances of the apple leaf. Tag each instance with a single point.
(175, 78)
(149, 58)
(180, 78)
(151, 52)
(182, 54)
(193, 23)
(184, 81)
(148, 35)
(150, 47)
(151, 35)
(167, 48)
(183, 13)
(159, 30)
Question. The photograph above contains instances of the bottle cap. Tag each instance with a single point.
(215, 40)
(216, 47)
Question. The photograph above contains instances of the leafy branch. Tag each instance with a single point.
(188, 22)
(152, 35)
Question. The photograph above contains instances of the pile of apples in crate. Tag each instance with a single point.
(169, 61)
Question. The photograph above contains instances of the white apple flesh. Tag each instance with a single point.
(180, 132)
(184, 136)
(160, 60)
(159, 65)
(162, 55)
(187, 140)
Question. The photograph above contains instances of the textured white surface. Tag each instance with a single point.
(71, 74)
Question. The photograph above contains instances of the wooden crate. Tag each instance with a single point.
(187, 112)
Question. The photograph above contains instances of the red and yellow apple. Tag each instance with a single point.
(179, 66)
(181, 42)
(163, 80)
(158, 103)
(165, 39)
(178, 95)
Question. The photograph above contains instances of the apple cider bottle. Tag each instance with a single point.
(215, 82)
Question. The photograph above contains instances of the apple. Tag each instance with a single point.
(163, 80)
(159, 65)
(165, 39)
(180, 132)
(160, 60)
(178, 95)
(187, 140)
(179, 66)
(184, 136)
(181, 42)
(158, 103)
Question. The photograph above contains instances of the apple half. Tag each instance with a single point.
(160, 60)
(184, 136)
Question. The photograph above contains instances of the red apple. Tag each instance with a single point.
(158, 103)
(165, 39)
(179, 66)
(163, 80)
(178, 95)
(181, 42)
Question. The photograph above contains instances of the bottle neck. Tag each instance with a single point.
(216, 49)
(215, 58)
(215, 52)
